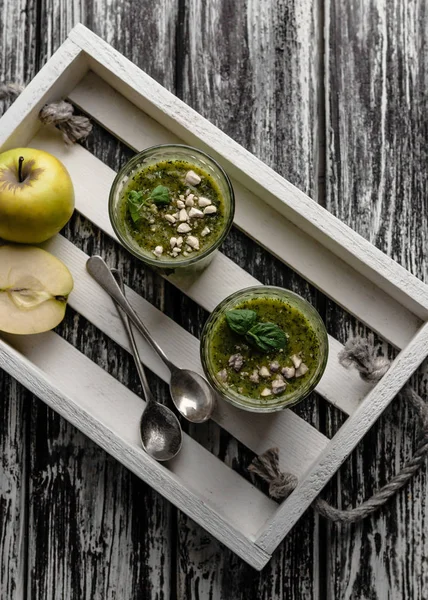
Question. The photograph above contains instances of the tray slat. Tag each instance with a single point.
(92, 181)
(264, 224)
(109, 413)
(300, 443)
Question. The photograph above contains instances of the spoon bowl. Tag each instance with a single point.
(192, 395)
(158, 432)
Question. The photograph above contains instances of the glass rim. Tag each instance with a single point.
(176, 262)
(240, 400)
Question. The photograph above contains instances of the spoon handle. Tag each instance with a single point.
(128, 327)
(102, 274)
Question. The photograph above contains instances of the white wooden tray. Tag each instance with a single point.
(283, 220)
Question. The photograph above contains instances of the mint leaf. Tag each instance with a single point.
(267, 337)
(135, 203)
(241, 320)
(160, 195)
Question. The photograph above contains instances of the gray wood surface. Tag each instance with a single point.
(333, 97)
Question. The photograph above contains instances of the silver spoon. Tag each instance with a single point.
(190, 392)
(160, 430)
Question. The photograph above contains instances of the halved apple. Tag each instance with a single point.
(34, 287)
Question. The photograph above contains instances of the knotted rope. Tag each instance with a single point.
(74, 128)
(362, 354)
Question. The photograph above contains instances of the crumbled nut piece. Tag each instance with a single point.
(192, 178)
(205, 231)
(151, 221)
(158, 251)
(181, 196)
(183, 216)
(264, 372)
(244, 374)
(236, 361)
(190, 201)
(189, 249)
(296, 360)
(179, 241)
(187, 192)
(274, 366)
(302, 370)
(185, 253)
(203, 202)
(170, 218)
(266, 392)
(288, 372)
(176, 251)
(193, 242)
(184, 228)
(195, 213)
(153, 228)
(278, 386)
(222, 375)
(210, 210)
(176, 215)
(173, 242)
(254, 377)
(180, 204)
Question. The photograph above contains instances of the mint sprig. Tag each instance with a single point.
(264, 336)
(136, 200)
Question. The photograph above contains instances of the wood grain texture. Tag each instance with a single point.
(17, 64)
(376, 89)
(112, 533)
(242, 74)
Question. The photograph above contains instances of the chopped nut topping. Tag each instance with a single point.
(190, 201)
(192, 178)
(236, 361)
(170, 218)
(210, 210)
(195, 213)
(288, 372)
(264, 372)
(173, 242)
(181, 197)
(205, 231)
(184, 228)
(193, 242)
(183, 216)
(179, 241)
(158, 251)
(254, 377)
(180, 204)
(185, 253)
(222, 375)
(302, 370)
(153, 228)
(296, 360)
(274, 366)
(278, 386)
(204, 201)
(266, 392)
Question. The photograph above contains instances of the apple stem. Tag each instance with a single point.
(21, 160)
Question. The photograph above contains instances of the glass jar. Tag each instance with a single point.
(279, 402)
(155, 154)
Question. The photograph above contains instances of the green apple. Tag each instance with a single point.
(34, 287)
(36, 195)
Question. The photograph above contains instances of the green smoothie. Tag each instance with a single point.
(263, 348)
(172, 209)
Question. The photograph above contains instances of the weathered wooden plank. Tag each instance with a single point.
(376, 85)
(111, 533)
(17, 64)
(250, 68)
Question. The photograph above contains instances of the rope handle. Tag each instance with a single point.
(363, 355)
(74, 128)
